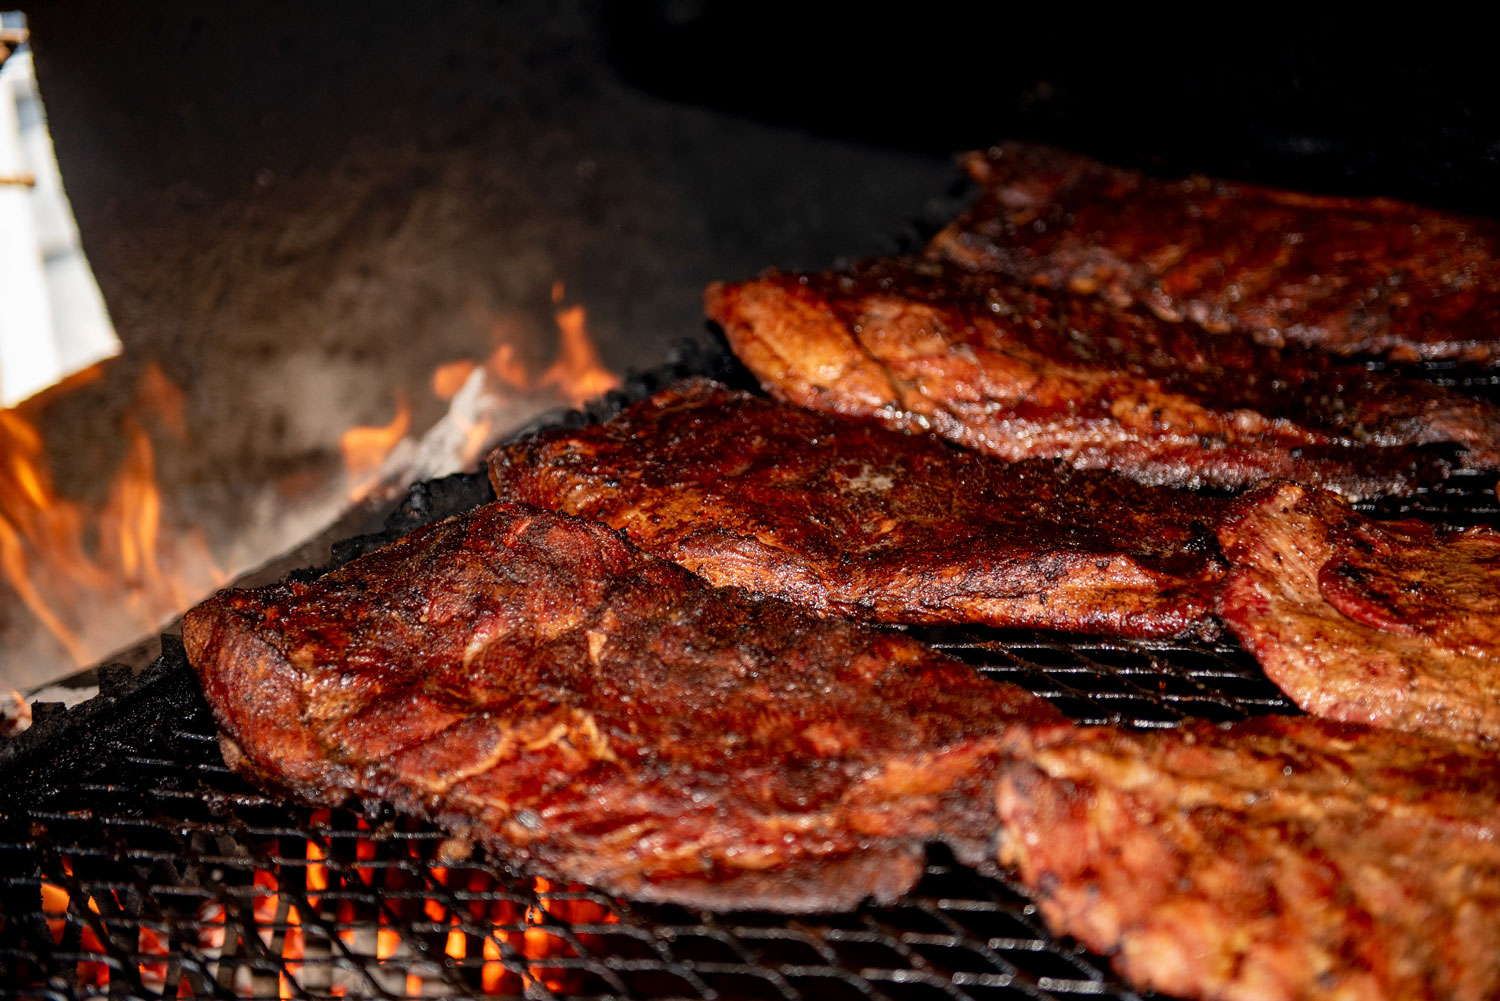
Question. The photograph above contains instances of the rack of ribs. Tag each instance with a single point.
(537, 685)
(1277, 858)
(846, 517)
(1339, 274)
(1393, 623)
(1019, 372)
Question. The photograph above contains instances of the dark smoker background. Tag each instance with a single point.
(299, 210)
(297, 207)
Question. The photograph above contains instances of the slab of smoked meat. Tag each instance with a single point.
(1345, 275)
(534, 683)
(1019, 372)
(1278, 858)
(1394, 623)
(844, 516)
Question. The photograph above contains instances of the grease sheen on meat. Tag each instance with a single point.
(845, 516)
(534, 683)
(1276, 859)
(1018, 372)
(1346, 275)
(1394, 623)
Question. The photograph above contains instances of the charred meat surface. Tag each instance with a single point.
(1346, 275)
(1278, 858)
(844, 516)
(534, 683)
(1019, 372)
(1393, 623)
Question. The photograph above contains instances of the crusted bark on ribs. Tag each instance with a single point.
(1394, 623)
(1279, 858)
(534, 683)
(1018, 372)
(1346, 275)
(845, 516)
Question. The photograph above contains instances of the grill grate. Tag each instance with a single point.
(134, 863)
(148, 868)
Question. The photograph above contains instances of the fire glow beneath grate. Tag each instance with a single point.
(133, 863)
(157, 872)
(365, 911)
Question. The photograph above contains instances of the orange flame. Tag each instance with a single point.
(448, 379)
(365, 448)
(507, 367)
(578, 374)
(164, 398)
(70, 564)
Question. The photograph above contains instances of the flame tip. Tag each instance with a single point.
(65, 560)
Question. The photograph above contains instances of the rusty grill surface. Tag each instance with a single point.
(133, 863)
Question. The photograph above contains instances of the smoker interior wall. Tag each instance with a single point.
(1336, 100)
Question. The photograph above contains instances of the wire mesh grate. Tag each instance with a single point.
(135, 863)
(155, 871)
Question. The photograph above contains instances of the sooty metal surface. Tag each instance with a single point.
(133, 863)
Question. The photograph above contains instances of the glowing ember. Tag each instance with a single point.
(62, 909)
(317, 873)
(386, 941)
(266, 902)
(393, 931)
(54, 901)
(492, 976)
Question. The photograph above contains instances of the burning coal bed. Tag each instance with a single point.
(352, 908)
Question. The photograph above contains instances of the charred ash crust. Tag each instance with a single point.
(122, 695)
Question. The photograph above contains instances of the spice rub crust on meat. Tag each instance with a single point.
(1339, 274)
(844, 516)
(1393, 623)
(534, 683)
(1278, 858)
(1019, 372)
